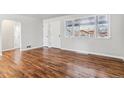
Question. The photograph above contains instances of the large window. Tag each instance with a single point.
(90, 27)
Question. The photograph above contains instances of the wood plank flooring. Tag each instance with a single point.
(57, 63)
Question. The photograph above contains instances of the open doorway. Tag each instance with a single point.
(11, 35)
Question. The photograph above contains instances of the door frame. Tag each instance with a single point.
(18, 23)
(46, 26)
(50, 45)
(14, 28)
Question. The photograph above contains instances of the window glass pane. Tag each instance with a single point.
(102, 26)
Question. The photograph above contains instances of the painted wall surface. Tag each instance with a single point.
(113, 46)
(31, 30)
(0, 41)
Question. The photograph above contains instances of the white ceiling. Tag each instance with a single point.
(43, 16)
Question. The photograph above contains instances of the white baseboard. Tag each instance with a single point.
(101, 54)
(30, 48)
(79, 51)
(8, 49)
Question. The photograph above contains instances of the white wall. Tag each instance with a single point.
(31, 31)
(113, 46)
(0, 41)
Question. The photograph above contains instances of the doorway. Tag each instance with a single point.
(55, 40)
(51, 34)
(46, 34)
(17, 36)
(11, 35)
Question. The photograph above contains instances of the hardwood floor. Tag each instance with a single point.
(57, 63)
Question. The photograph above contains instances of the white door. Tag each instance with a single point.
(45, 34)
(17, 35)
(55, 40)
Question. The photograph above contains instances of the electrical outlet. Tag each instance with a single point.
(29, 46)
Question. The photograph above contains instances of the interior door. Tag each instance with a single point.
(17, 36)
(55, 34)
(45, 34)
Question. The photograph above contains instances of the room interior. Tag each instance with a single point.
(61, 46)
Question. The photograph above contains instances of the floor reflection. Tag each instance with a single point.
(17, 56)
